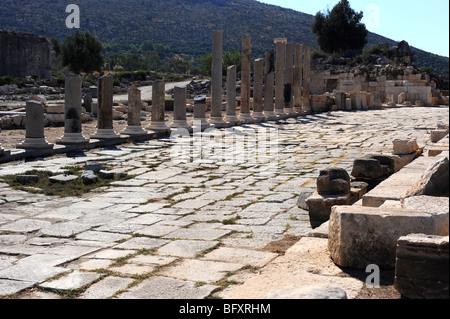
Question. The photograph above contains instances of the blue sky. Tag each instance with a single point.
(424, 24)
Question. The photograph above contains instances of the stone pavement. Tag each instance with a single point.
(183, 229)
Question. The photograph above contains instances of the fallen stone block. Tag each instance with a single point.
(434, 181)
(63, 179)
(438, 135)
(319, 206)
(333, 181)
(405, 146)
(373, 167)
(89, 177)
(106, 174)
(23, 179)
(422, 267)
(399, 185)
(361, 236)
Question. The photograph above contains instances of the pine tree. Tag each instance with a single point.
(340, 29)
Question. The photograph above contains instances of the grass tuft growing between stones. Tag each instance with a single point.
(75, 188)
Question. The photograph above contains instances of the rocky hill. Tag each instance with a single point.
(183, 25)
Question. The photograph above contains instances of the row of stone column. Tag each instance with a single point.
(284, 90)
(287, 80)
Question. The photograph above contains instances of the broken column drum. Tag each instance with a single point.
(35, 138)
(105, 126)
(158, 119)
(134, 113)
(231, 96)
(200, 122)
(216, 117)
(73, 123)
(179, 108)
(245, 115)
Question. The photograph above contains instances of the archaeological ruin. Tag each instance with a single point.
(358, 180)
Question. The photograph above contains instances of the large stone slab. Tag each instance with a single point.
(242, 256)
(106, 288)
(304, 264)
(167, 288)
(9, 287)
(186, 248)
(74, 280)
(361, 236)
(201, 270)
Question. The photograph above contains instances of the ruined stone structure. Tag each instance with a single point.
(24, 54)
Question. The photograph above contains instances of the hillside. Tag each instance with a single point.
(183, 25)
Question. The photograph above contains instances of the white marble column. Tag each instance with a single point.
(216, 117)
(199, 122)
(179, 109)
(289, 80)
(298, 78)
(258, 91)
(158, 120)
(105, 124)
(245, 115)
(269, 86)
(34, 137)
(72, 105)
(231, 117)
(307, 81)
(279, 78)
(134, 126)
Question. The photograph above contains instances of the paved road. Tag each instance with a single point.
(146, 91)
(199, 216)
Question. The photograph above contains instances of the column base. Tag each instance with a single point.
(180, 124)
(201, 124)
(270, 115)
(104, 134)
(134, 130)
(159, 126)
(246, 118)
(35, 143)
(298, 110)
(217, 122)
(290, 111)
(232, 120)
(259, 116)
(72, 138)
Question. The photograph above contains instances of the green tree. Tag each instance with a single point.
(340, 29)
(82, 53)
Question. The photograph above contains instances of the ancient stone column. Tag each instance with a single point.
(258, 91)
(307, 81)
(298, 78)
(34, 137)
(269, 86)
(245, 115)
(179, 109)
(279, 78)
(134, 127)
(200, 122)
(216, 117)
(73, 123)
(158, 120)
(289, 80)
(105, 126)
(231, 96)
